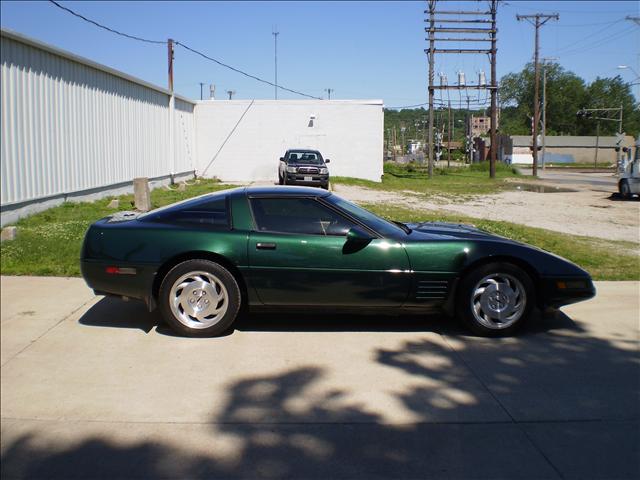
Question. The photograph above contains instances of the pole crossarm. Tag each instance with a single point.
(451, 20)
(443, 12)
(464, 87)
(462, 39)
(458, 30)
(457, 50)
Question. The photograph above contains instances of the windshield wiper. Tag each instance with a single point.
(404, 227)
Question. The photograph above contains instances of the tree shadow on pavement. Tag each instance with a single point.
(554, 402)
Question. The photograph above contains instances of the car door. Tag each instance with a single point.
(299, 255)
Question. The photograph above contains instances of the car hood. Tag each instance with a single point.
(307, 165)
(450, 231)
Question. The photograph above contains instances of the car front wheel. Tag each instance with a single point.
(199, 298)
(495, 299)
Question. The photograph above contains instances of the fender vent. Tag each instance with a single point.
(432, 290)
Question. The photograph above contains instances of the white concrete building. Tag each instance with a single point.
(242, 140)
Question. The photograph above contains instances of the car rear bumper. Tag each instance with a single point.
(135, 283)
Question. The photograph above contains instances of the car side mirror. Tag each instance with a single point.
(326, 160)
(282, 159)
(357, 239)
(358, 235)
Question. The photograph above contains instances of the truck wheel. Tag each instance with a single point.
(625, 191)
(199, 298)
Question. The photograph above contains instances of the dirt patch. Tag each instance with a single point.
(581, 212)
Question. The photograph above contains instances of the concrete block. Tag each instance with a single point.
(142, 194)
(115, 203)
(9, 233)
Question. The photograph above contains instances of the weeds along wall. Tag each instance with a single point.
(73, 129)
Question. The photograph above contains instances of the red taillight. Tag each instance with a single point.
(120, 270)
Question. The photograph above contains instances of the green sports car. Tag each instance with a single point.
(201, 260)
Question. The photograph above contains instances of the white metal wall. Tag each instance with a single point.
(242, 140)
(70, 125)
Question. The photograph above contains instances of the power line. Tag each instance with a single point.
(267, 82)
(104, 27)
(186, 47)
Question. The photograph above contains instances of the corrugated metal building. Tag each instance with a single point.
(72, 128)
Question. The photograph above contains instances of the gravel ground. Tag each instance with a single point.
(587, 211)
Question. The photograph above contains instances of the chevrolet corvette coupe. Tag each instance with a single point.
(201, 260)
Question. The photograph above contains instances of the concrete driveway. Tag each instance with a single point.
(91, 388)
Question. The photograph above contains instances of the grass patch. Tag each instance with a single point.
(603, 259)
(49, 242)
(471, 180)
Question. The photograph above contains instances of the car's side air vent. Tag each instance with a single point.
(427, 290)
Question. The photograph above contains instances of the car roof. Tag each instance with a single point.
(286, 191)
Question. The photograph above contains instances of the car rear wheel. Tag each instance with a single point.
(625, 190)
(495, 299)
(199, 298)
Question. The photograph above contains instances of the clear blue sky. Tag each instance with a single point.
(359, 49)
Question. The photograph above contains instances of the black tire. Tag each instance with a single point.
(280, 180)
(522, 295)
(224, 284)
(625, 190)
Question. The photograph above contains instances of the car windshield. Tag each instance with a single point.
(306, 157)
(380, 225)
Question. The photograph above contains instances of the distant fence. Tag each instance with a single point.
(72, 127)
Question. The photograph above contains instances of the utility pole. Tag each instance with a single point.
(537, 20)
(275, 34)
(449, 136)
(201, 85)
(170, 63)
(328, 90)
(470, 22)
(494, 93)
(430, 56)
(544, 108)
(231, 93)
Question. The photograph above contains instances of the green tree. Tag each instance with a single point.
(566, 94)
(612, 93)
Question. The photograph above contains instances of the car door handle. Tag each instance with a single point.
(265, 246)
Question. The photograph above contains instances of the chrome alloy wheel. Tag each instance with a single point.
(498, 301)
(198, 299)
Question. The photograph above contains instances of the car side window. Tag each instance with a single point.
(211, 214)
(298, 215)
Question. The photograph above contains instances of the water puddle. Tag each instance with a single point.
(531, 187)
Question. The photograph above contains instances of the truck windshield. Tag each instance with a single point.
(309, 158)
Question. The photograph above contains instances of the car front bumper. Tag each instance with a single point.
(311, 180)
(559, 291)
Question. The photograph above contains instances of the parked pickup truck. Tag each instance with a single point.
(303, 167)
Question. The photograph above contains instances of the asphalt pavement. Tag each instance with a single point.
(593, 180)
(94, 388)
